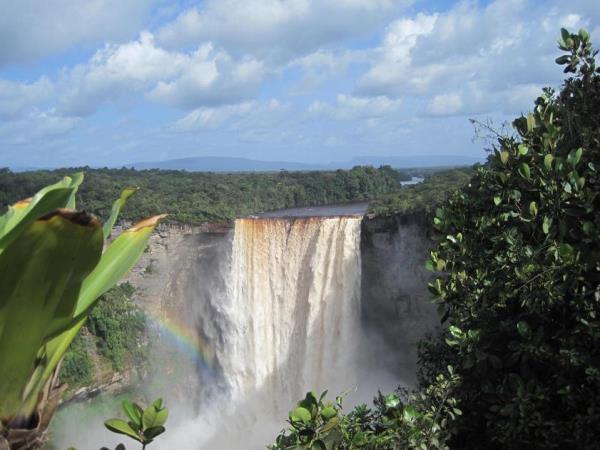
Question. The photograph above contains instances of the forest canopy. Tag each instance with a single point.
(196, 197)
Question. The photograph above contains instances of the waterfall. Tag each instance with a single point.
(285, 320)
(293, 307)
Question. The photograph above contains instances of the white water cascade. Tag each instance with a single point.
(294, 308)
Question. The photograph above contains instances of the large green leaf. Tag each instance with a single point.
(41, 275)
(50, 356)
(23, 213)
(117, 260)
(116, 209)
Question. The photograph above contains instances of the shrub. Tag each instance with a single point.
(520, 248)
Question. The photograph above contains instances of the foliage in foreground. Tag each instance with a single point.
(53, 268)
(398, 420)
(144, 425)
(520, 248)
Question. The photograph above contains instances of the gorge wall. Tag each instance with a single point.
(396, 304)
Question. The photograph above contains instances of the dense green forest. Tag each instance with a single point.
(196, 197)
(424, 196)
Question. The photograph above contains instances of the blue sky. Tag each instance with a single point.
(109, 82)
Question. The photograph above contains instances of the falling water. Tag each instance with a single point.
(294, 305)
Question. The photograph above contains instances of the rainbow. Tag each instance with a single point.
(185, 339)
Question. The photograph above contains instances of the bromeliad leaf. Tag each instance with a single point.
(36, 293)
(116, 209)
(24, 213)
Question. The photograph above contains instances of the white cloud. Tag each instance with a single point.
(210, 78)
(204, 118)
(183, 80)
(17, 98)
(30, 29)
(473, 58)
(348, 107)
(445, 104)
(252, 114)
(35, 126)
(276, 29)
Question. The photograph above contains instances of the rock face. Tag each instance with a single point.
(395, 301)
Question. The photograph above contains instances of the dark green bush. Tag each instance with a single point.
(118, 324)
(77, 368)
(520, 248)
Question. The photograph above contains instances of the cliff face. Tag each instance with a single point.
(395, 301)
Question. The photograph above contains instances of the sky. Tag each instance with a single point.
(111, 82)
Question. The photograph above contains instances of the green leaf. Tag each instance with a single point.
(121, 427)
(455, 331)
(548, 161)
(575, 156)
(566, 252)
(429, 265)
(497, 200)
(530, 122)
(546, 224)
(564, 34)
(328, 412)
(533, 210)
(116, 209)
(522, 149)
(154, 417)
(134, 412)
(39, 291)
(410, 414)
(523, 328)
(300, 414)
(151, 433)
(318, 445)
(584, 35)
(504, 156)
(24, 213)
(564, 59)
(524, 170)
(392, 401)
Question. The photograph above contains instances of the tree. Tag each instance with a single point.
(519, 250)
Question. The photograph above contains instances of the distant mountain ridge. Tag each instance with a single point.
(222, 164)
(234, 164)
(231, 164)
